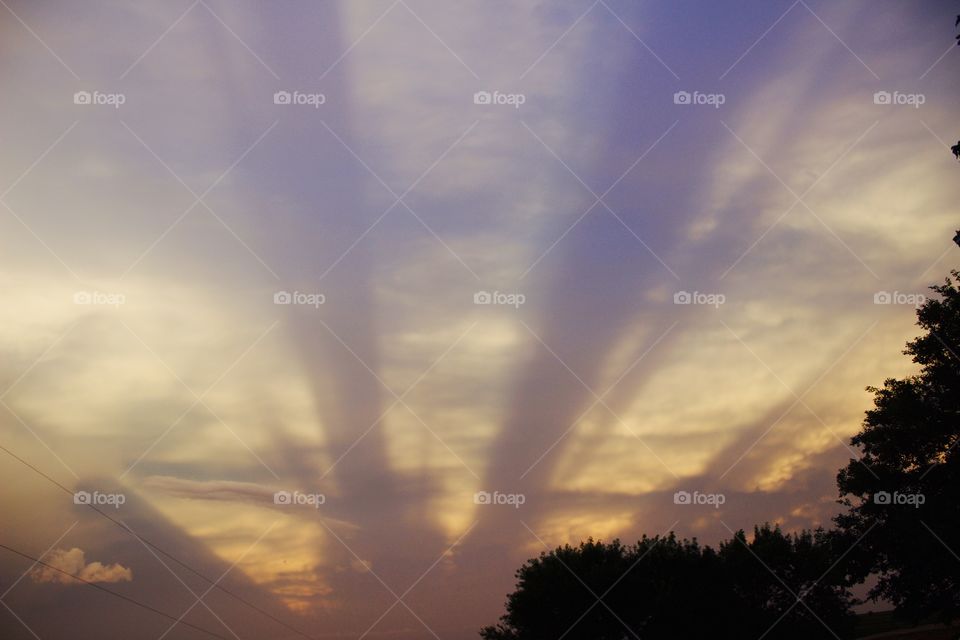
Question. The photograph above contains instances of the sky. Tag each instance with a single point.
(461, 281)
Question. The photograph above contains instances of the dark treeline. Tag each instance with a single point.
(664, 587)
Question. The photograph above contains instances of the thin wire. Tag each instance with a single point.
(159, 549)
(114, 593)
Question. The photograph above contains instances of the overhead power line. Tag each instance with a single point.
(214, 583)
(115, 594)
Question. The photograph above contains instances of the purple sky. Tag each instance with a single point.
(633, 156)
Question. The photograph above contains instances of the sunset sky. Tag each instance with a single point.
(633, 156)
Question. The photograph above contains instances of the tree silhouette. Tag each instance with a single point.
(904, 492)
(789, 584)
(956, 148)
(664, 587)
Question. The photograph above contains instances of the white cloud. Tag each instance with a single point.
(74, 562)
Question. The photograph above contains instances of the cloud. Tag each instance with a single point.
(73, 562)
(212, 490)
